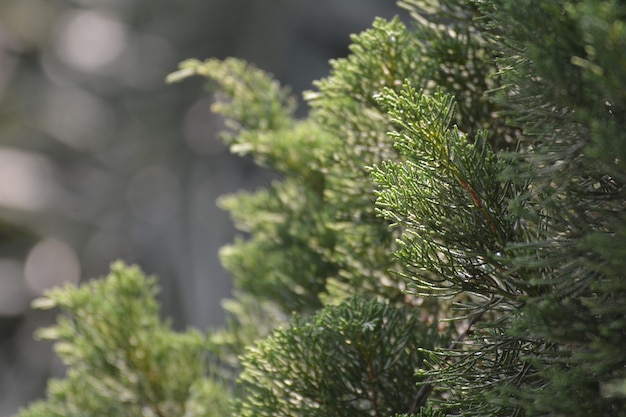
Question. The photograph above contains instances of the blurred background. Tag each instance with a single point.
(101, 160)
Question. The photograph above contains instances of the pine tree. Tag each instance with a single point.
(446, 235)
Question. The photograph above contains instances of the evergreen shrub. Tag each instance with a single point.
(446, 235)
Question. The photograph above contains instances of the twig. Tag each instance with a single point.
(425, 389)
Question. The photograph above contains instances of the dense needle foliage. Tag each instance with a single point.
(446, 234)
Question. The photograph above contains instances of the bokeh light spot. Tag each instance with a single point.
(89, 40)
(25, 180)
(50, 263)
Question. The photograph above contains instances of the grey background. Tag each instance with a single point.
(101, 160)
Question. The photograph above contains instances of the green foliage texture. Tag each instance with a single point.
(122, 359)
(446, 235)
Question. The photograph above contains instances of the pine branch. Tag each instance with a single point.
(372, 382)
(476, 199)
(427, 386)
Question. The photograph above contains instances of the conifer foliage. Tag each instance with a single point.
(467, 166)
(348, 360)
(123, 361)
